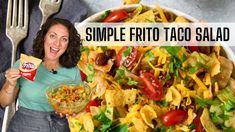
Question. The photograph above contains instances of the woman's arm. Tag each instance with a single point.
(9, 91)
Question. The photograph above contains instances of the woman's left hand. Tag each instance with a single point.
(65, 115)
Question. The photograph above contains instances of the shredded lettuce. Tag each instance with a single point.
(131, 82)
(127, 52)
(192, 126)
(229, 106)
(193, 69)
(85, 49)
(150, 56)
(106, 13)
(104, 48)
(106, 122)
(226, 95)
(91, 74)
(173, 50)
(120, 128)
(204, 102)
(120, 72)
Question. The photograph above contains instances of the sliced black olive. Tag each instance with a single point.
(110, 53)
(101, 59)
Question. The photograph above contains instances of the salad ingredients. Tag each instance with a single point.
(198, 124)
(101, 59)
(83, 76)
(127, 56)
(91, 103)
(226, 71)
(68, 98)
(174, 117)
(207, 123)
(116, 16)
(151, 87)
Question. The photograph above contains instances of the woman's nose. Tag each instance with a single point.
(57, 42)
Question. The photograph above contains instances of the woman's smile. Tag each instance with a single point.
(54, 51)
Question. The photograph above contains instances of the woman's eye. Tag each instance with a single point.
(52, 36)
(65, 39)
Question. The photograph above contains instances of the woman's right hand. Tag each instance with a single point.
(12, 75)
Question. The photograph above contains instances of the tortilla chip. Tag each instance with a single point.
(147, 16)
(127, 2)
(114, 98)
(182, 128)
(121, 110)
(161, 13)
(74, 124)
(88, 123)
(82, 63)
(214, 65)
(148, 114)
(133, 112)
(130, 96)
(109, 112)
(191, 116)
(160, 111)
(132, 129)
(173, 96)
(207, 123)
(137, 11)
(230, 122)
(139, 125)
(94, 110)
(181, 19)
(101, 85)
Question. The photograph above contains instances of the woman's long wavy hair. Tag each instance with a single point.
(72, 54)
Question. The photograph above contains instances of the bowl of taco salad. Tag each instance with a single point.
(150, 88)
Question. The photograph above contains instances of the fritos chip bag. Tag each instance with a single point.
(28, 66)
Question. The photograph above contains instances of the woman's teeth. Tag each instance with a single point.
(54, 50)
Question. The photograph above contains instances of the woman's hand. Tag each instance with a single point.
(8, 92)
(11, 76)
(65, 115)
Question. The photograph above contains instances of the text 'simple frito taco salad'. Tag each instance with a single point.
(149, 88)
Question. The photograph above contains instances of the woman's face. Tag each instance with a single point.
(56, 42)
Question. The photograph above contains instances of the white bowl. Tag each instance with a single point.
(96, 17)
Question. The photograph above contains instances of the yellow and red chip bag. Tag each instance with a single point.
(28, 66)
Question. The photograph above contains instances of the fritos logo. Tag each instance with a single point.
(28, 65)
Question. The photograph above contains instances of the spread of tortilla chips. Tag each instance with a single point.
(190, 81)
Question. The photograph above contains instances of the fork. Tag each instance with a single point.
(48, 8)
(16, 30)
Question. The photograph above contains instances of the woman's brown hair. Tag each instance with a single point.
(71, 55)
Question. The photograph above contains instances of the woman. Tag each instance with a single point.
(58, 45)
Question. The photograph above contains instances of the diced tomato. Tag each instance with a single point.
(119, 60)
(198, 124)
(129, 60)
(92, 103)
(83, 75)
(151, 86)
(116, 16)
(174, 117)
(193, 46)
